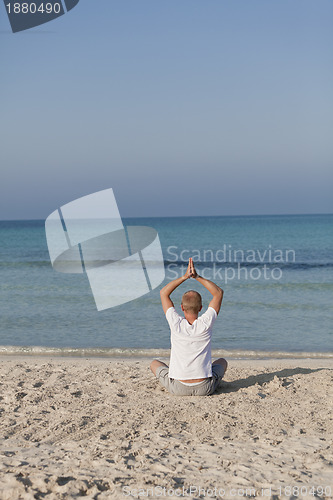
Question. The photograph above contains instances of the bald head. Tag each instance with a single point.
(191, 302)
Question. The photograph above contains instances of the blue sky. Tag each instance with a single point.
(210, 107)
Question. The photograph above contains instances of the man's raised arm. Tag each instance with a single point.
(170, 287)
(215, 290)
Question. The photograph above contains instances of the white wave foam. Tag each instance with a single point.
(151, 353)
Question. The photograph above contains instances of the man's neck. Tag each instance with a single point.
(190, 317)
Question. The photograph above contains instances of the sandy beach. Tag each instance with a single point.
(104, 428)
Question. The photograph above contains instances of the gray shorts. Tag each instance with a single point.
(205, 388)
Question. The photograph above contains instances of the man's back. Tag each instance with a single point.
(190, 345)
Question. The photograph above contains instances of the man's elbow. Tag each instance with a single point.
(219, 295)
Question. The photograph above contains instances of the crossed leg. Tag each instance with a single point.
(222, 362)
(156, 363)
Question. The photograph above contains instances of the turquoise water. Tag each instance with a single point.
(276, 272)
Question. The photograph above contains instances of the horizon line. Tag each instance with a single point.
(194, 216)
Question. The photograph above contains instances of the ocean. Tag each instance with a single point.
(276, 273)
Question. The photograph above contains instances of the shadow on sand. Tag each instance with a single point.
(263, 378)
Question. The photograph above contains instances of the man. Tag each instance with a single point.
(191, 371)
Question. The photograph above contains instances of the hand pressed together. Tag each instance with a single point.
(191, 272)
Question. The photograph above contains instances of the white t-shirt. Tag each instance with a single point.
(190, 345)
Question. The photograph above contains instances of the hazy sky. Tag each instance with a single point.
(183, 107)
